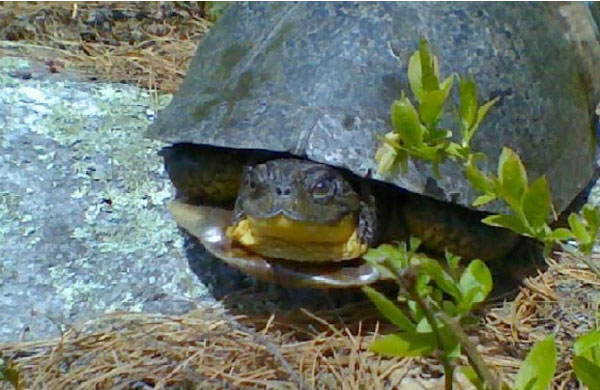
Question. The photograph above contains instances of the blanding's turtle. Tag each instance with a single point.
(276, 125)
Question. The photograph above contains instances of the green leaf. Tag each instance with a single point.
(404, 344)
(436, 135)
(447, 83)
(476, 177)
(467, 92)
(428, 74)
(415, 75)
(406, 122)
(561, 234)
(512, 176)
(483, 199)
(470, 373)
(449, 308)
(386, 251)
(588, 346)
(443, 280)
(9, 374)
(422, 287)
(390, 310)
(481, 114)
(536, 203)
(396, 255)
(414, 243)
(587, 372)
(451, 343)
(432, 105)
(385, 157)
(591, 215)
(457, 152)
(429, 153)
(579, 230)
(539, 366)
(415, 311)
(507, 221)
(475, 283)
(423, 326)
(452, 260)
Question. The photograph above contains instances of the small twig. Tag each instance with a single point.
(591, 265)
(406, 286)
(272, 349)
(428, 311)
(473, 355)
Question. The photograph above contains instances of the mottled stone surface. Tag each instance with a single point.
(318, 79)
(84, 225)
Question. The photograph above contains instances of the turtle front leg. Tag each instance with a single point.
(367, 220)
(238, 214)
(203, 175)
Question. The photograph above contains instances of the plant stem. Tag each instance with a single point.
(406, 286)
(428, 311)
(591, 265)
(475, 358)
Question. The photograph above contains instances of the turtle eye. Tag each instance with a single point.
(323, 188)
(250, 182)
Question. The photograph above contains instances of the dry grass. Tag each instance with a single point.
(564, 301)
(208, 349)
(120, 42)
(204, 348)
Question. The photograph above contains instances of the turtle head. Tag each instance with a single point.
(298, 210)
(299, 190)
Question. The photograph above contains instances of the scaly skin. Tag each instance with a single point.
(203, 175)
(316, 193)
(442, 226)
(303, 191)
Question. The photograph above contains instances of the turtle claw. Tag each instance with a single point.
(209, 225)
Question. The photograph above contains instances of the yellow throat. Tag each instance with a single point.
(281, 237)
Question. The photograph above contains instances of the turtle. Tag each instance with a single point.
(274, 131)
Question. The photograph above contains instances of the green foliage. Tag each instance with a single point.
(404, 344)
(426, 287)
(435, 299)
(416, 134)
(475, 284)
(586, 362)
(415, 129)
(539, 366)
(530, 205)
(470, 373)
(9, 374)
(470, 114)
(390, 311)
(214, 9)
(584, 227)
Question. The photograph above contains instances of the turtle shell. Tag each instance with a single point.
(317, 80)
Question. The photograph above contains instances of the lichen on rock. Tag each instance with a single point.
(84, 224)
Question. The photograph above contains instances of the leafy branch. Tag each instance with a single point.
(415, 129)
(435, 301)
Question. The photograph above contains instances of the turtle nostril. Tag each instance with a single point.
(285, 191)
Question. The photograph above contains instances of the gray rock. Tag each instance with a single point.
(84, 225)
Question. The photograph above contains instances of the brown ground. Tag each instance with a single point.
(150, 45)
